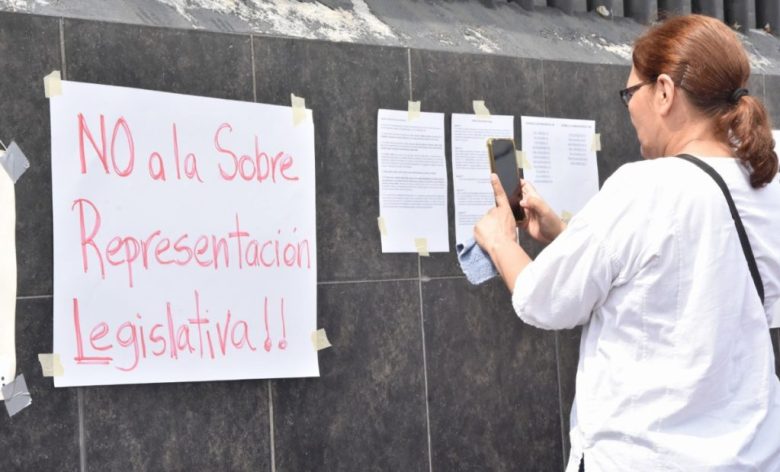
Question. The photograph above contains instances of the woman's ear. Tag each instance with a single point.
(665, 93)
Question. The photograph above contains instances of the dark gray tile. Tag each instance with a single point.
(344, 85)
(29, 50)
(449, 82)
(492, 382)
(45, 435)
(182, 426)
(180, 61)
(367, 410)
(590, 92)
(568, 359)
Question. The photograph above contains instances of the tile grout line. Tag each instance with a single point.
(254, 74)
(425, 366)
(422, 313)
(34, 297)
(271, 426)
(560, 399)
(336, 282)
(79, 390)
(424, 278)
(82, 438)
(62, 49)
(409, 67)
(544, 98)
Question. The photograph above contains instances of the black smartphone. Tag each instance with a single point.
(503, 162)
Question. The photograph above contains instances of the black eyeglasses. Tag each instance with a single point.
(629, 92)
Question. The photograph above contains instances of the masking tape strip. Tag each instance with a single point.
(480, 108)
(320, 340)
(414, 110)
(566, 216)
(595, 146)
(14, 162)
(382, 226)
(422, 246)
(298, 108)
(16, 395)
(51, 365)
(52, 84)
(7, 280)
(522, 161)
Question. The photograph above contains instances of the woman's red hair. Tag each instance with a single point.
(706, 60)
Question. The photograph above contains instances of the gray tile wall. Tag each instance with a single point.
(426, 372)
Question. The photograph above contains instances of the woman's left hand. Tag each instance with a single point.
(498, 226)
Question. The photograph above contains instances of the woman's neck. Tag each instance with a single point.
(698, 140)
(702, 147)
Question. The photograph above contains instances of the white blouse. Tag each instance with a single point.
(676, 369)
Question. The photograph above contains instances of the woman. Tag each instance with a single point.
(676, 368)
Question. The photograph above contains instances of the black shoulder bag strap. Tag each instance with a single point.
(743, 238)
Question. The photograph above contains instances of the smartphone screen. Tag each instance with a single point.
(504, 164)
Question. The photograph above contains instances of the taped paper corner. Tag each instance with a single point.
(595, 146)
(299, 109)
(320, 340)
(480, 108)
(414, 110)
(51, 365)
(382, 226)
(16, 396)
(422, 246)
(14, 161)
(52, 84)
(522, 161)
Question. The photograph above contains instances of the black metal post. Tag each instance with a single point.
(643, 11)
(526, 4)
(668, 8)
(768, 15)
(713, 8)
(593, 4)
(567, 6)
(736, 13)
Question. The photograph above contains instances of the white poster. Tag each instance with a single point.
(471, 167)
(563, 161)
(412, 181)
(184, 238)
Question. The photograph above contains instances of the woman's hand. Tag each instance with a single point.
(498, 226)
(540, 221)
(496, 233)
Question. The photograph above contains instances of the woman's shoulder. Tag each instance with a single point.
(669, 174)
(649, 175)
(667, 167)
(659, 186)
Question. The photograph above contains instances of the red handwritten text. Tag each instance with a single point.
(174, 337)
(235, 247)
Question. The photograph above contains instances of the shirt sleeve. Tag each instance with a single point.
(570, 278)
(575, 273)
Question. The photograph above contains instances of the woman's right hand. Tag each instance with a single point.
(540, 221)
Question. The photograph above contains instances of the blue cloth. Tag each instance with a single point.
(475, 263)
